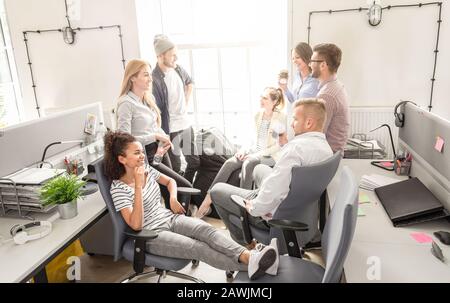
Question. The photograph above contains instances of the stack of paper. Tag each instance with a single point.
(358, 149)
(27, 190)
(370, 182)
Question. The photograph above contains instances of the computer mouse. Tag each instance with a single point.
(443, 236)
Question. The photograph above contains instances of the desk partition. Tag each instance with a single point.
(419, 136)
(22, 145)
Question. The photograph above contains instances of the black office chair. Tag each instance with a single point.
(306, 199)
(130, 244)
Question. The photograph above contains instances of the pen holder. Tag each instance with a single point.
(402, 168)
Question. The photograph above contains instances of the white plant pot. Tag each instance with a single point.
(68, 210)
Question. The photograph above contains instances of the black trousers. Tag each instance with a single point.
(165, 167)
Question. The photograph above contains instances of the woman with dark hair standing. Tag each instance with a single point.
(135, 193)
(304, 86)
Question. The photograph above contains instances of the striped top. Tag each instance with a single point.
(155, 214)
(338, 117)
(263, 130)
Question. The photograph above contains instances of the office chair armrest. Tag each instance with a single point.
(288, 225)
(141, 235)
(189, 191)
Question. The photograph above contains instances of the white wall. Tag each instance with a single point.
(71, 75)
(383, 64)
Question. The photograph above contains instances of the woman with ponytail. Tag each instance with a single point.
(270, 124)
(138, 115)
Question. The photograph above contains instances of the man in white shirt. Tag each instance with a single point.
(308, 147)
(172, 88)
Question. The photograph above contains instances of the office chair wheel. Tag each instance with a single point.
(195, 263)
(229, 274)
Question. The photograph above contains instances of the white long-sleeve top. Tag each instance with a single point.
(136, 118)
(305, 149)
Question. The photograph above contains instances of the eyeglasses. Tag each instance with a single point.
(318, 61)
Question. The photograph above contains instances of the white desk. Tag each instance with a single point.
(401, 258)
(18, 263)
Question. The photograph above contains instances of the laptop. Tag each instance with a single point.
(409, 202)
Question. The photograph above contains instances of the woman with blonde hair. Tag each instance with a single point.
(138, 115)
(270, 124)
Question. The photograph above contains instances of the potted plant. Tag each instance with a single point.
(64, 191)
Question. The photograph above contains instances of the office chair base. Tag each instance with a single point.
(161, 274)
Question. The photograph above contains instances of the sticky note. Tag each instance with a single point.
(363, 198)
(361, 212)
(439, 144)
(421, 238)
(386, 164)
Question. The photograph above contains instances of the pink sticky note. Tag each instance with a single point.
(421, 238)
(386, 164)
(439, 144)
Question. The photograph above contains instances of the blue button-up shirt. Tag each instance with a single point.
(308, 88)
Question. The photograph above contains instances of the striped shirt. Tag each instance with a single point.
(155, 214)
(338, 123)
(263, 131)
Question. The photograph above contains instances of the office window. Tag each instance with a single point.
(10, 100)
(233, 49)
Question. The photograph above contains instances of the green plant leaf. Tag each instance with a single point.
(62, 189)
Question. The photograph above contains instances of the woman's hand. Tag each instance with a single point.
(139, 176)
(176, 206)
(241, 156)
(165, 139)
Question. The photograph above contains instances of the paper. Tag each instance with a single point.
(439, 144)
(363, 198)
(421, 238)
(372, 181)
(361, 212)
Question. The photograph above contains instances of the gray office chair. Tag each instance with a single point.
(130, 244)
(336, 241)
(306, 195)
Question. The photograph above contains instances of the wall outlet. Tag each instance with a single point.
(74, 10)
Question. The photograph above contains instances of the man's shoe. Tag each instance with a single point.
(261, 259)
(273, 270)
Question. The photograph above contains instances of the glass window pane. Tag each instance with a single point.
(205, 71)
(184, 61)
(5, 74)
(208, 100)
(236, 100)
(239, 128)
(234, 67)
(207, 120)
(8, 108)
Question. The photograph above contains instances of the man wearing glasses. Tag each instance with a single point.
(324, 64)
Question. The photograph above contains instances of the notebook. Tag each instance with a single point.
(409, 202)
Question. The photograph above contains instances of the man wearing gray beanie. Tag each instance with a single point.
(172, 88)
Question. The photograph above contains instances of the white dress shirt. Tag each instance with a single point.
(305, 149)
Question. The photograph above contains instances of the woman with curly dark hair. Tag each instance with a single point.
(136, 195)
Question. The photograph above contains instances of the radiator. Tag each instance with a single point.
(364, 119)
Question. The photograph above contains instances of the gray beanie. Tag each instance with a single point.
(162, 44)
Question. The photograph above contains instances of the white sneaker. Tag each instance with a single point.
(261, 258)
(273, 270)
